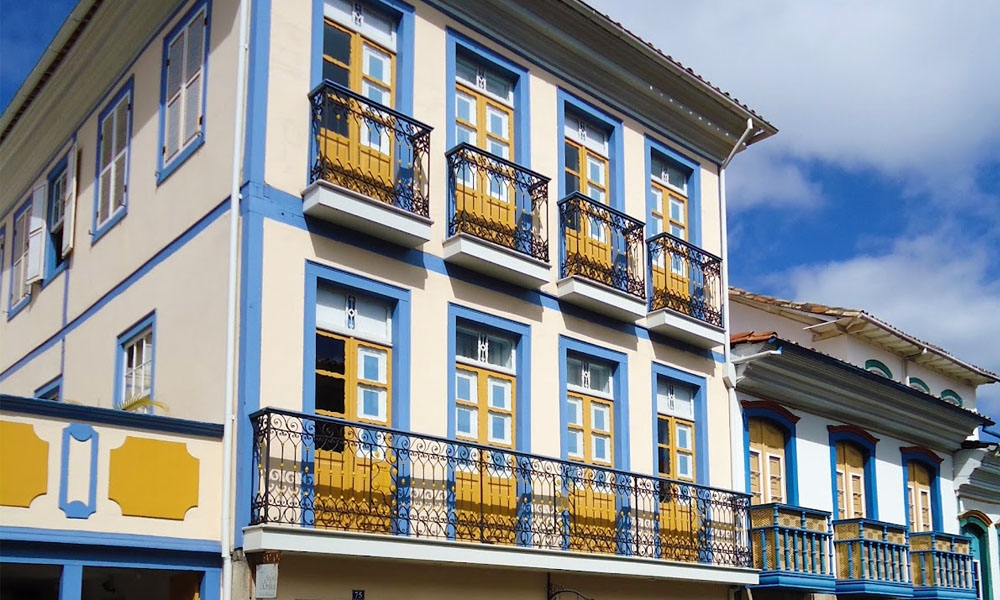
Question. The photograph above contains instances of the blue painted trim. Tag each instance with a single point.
(285, 208)
(942, 593)
(881, 588)
(126, 338)
(878, 365)
(257, 91)
(908, 456)
(101, 539)
(71, 582)
(12, 308)
(77, 509)
(248, 398)
(51, 269)
(55, 384)
(99, 229)
(619, 362)
(456, 42)
(109, 416)
(168, 251)
(699, 383)
(796, 581)
(791, 449)
(3, 247)
(164, 170)
(871, 480)
(315, 274)
(693, 186)
(521, 333)
(616, 146)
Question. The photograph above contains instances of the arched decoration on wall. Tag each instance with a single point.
(952, 396)
(867, 442)
(932, 462)
(918, 384)
(878, 367)
(785, 420)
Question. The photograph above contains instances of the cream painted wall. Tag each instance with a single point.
(43, 369)
(287, 248)
(334, 577)
(201, 522)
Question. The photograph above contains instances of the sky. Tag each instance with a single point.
(882, 189)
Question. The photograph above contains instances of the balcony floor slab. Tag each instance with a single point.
(797, 581)
(336, 204)
(685, 328)
(601, 299)
(862, 587)
(496, 261)
(312, 541)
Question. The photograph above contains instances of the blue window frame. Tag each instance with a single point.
(20, 293)
(570, 348)
(570, 109)
(670, 376)
(135, 367)
(183, 89)
(55, 216)
(657, 153)
(317, 275)
(462, 318)
(932, 462)
(785, 420)
(867, 443)
(111, 169)
(51, 390)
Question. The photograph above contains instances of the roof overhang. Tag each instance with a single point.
(807, 380)
(978, 474)
(593, 53)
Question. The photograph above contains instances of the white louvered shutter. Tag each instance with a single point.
(36, 236)
(69, 203)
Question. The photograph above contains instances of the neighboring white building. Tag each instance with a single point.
(855, 434)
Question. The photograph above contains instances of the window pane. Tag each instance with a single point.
(173, 127)
(196, 39)
(330, 354)
(371, 402)
(465, 71)
(372, 364)
(499, 393)
(192, 109)
(465, 421)
(599, 417)
(501, 352)
(683, 437)
(500, 428)
(467, 345)
(574, 443)
(600, 378)
(175, 64)
(572, 183)
(465, 386)
(572, 157)
(684, 465)
(337, 44)
(663, 461)
(119, 183)
(378, 65)
(107, 139)
(575, 411)
(663, 431)
(602, 448)
(595, 170)
(676, 177)
(574, 372)
(499, 86)
(497, 122)
(330, 394)
(336, 74)
(465, 108)
(464, 134)
(121, 124)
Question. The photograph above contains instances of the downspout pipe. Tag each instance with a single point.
(735, 412)
(229, 422)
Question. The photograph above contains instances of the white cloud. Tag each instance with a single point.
(906, 88)
(926, 288)
(761, 178)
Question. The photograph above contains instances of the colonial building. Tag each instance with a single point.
(404, 298)
(861, 455)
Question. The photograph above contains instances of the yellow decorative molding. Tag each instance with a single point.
(24, 464)
(153, 478)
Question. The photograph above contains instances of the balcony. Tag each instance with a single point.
(942, 566)
(370, 167)
(329, 486)
(872, 558)
(792, 547)
(602, 263)
(687, 292)
(497, 217)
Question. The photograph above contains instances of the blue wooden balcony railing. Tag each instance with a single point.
(943, 561)
(792, 546)
(871, 552)
(325, 473)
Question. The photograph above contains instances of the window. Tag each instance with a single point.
(918, 489)
(767, 462)
(668, 185)
(51, 390)
(851, 460)
(878, 367)
(918, 384)
(19, 287)
(484, 386)
(135, 367)
(3, 246)
(353, 356)
(675, 430)
(60, 213)
(359, 49)
(587, 164)
(113, 142)
(951, 396)
(590, 403)
(185, 52)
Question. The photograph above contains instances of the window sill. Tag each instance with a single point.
(18, 307)
(100, 230)
(166, 170)
(50, 277)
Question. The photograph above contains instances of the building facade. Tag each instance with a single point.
(433, 289)
(862, 456)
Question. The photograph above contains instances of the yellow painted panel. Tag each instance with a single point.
(153, 478)
(24, 464)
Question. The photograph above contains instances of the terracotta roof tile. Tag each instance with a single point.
(749, 337)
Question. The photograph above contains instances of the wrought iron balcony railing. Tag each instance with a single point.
(791, 540)
(498, 201)
(369, 148)
(601, 244)
(686, 279)
(871, 551)
(326, 473)
(941, 560)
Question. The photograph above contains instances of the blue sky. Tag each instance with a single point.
(882, 189)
